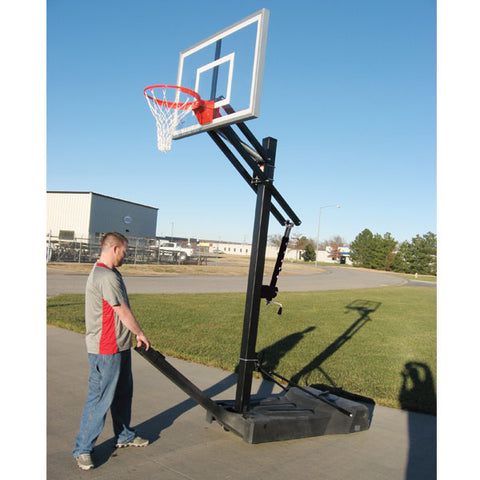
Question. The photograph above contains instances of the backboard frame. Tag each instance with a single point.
(252, 110)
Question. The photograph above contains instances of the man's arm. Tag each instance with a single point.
(127, 317)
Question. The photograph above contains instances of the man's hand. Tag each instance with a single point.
(141, 338)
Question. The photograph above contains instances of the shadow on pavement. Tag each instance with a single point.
(417, 395)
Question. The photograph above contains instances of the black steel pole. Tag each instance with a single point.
(247, 361)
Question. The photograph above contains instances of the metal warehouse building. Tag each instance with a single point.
(87, 215)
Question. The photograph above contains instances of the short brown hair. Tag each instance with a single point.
(113, 238)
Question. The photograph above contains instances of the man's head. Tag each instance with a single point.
(114, 249)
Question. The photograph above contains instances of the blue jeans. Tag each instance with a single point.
(110, 386)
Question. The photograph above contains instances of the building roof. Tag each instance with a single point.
(101, 195)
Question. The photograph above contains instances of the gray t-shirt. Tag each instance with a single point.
(105, 333)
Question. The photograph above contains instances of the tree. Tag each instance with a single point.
(338, 240)
(426, 253)
(323, 245)
(361, 247)
(373, 251)
(302, 242)
(309, 255)
(275, 240)
(335, 252)
(417, 256)
(384, 248)
(404, 258)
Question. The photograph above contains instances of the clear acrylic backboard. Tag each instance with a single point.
(226, 67)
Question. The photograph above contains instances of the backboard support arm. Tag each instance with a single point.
(243, 172)
(255, 165)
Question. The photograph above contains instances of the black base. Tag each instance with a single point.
(294, 414)
(297, 414)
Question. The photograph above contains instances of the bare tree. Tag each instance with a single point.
(300, 243)
(337, 240)
(335, 252)
(275, 240)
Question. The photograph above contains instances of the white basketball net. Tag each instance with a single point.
(167, 118)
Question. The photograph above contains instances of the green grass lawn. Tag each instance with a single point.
(423, 278)
(362, 340)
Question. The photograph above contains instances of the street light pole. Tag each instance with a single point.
(318, 232)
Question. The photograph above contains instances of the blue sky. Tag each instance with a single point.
(349, 92)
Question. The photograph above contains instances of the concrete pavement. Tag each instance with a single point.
(398, 445)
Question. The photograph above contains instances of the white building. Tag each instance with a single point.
(87, 215)
(324, 256)
(245, 249)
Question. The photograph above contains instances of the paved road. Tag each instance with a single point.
(331, 278)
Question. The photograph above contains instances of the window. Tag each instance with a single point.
(66, 234)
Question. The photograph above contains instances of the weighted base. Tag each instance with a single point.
(296, 414)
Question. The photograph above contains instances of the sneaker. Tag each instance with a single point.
(84, 461)
(136, 442)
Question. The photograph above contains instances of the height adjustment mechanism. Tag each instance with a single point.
(270, 291)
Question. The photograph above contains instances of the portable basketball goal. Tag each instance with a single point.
(299, 411)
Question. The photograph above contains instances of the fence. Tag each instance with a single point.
(140, 250)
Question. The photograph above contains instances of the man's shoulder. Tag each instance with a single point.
(102, 269)
(101, 272)
(105, 283)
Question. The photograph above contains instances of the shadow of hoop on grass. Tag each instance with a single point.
(269, 357)
(364, 308)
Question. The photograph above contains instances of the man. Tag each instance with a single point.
(109, 325)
